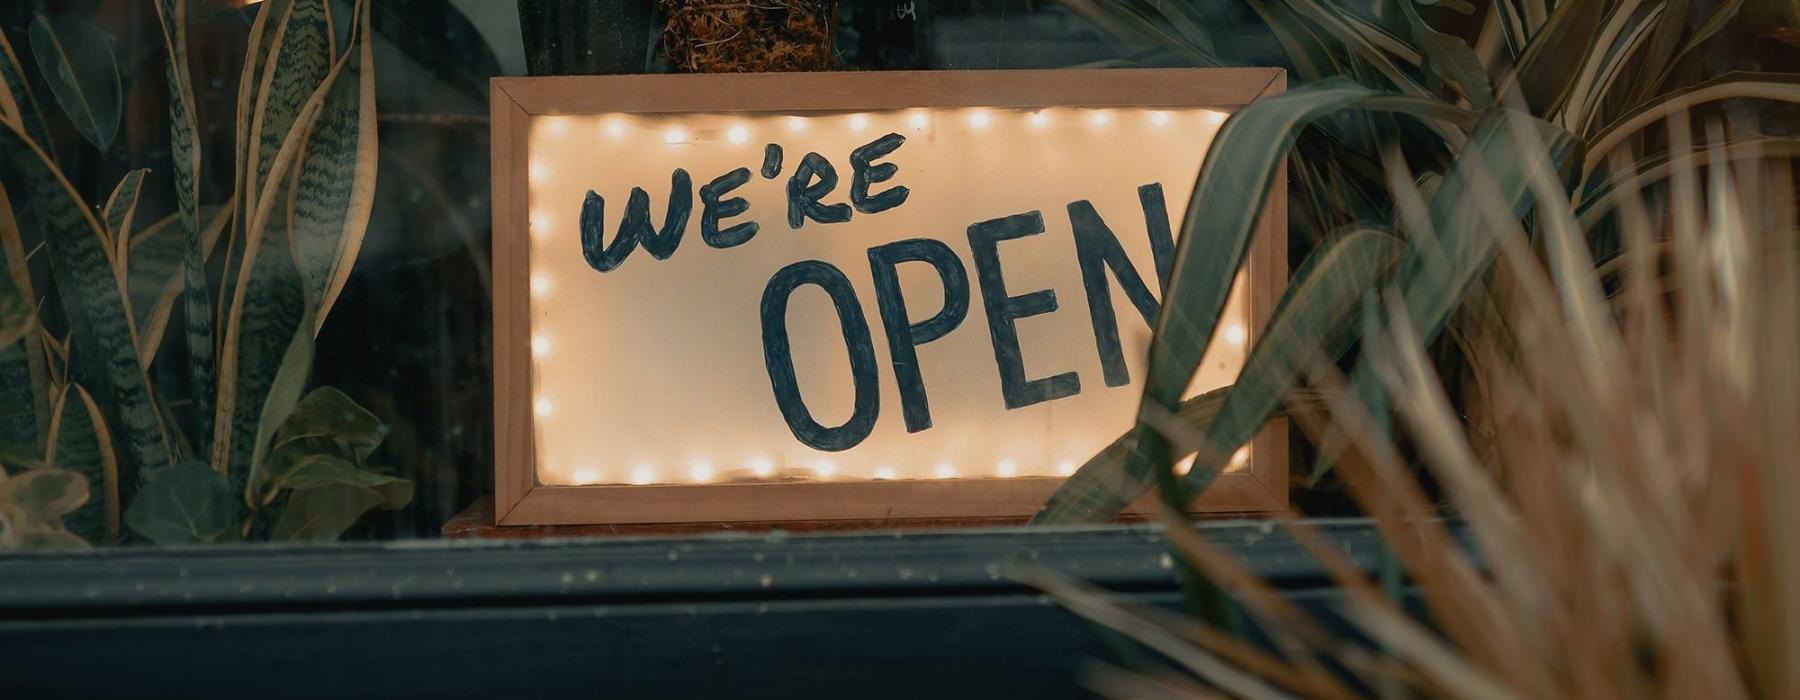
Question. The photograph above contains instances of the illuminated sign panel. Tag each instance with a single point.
(843, 296)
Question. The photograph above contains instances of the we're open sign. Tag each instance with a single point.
(846, 295)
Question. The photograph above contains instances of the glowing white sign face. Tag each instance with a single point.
(805, 296)
(895, 295)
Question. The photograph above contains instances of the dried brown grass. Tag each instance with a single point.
(1625, 466)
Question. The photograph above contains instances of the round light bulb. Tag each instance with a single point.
(796, 124)
(825, 468)
(1065, 468)
(1100, 118)
(540, 285)
(540, 346)
(544, 407)
(738, 134)
(762, 468)
(1159, 118)
(944, 471)
(858, 122)
(1007, 468)
(700, 471)
(1039, 120)
(1235, 334)
(643, 474)
(674, 135)
(884, 473)
(615, 127)
(918, 121)
(586, 475)
(1240, 457)
(980, 119)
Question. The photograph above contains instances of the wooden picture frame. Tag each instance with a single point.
(520, 497)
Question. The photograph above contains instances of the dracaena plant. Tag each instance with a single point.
(1623, 473)
(1396, 135)
(230, 290)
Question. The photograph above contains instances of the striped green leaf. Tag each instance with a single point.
(335, 188)
(77, 61)
(104, 356)
(196, 298)
(24, 378)
(81, 443)
(118, 212)
(17, 104)
(267, 294)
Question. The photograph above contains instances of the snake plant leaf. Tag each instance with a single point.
(80, 442)
(105, 354)
(196, 299)
(1317, 313)
(335, 188)
(117, 213)
(1216, 234)
(267, 294)
(269, 315)
(156, 278)
(24, 376)
(300, 55)
(77, 61)
(14, 455)
(183, 503)
(281, 396)
(1451, 59)
(17, 104)
(45, 495)
(17, 315)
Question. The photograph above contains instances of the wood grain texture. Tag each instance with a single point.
(521, 501)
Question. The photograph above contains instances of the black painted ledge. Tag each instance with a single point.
(764, 615)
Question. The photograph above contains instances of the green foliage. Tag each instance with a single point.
(77, 61)
(1571, 82)
(32, 505)
(184, 503)
(239, 453)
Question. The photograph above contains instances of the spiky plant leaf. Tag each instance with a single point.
(1216, 235)
(1315, 315)
(105, 354)
(80, 442)
(17, 104)
(24, 378)
(116, 218)
(77, 61)
(196, 299)
(335, 188)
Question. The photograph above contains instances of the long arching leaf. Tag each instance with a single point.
(77, 62)
(196, 299)
(1216, 234)
(80, 442)
(117, 215)
(335, 188)
(267, 296)
(1316, 314)
(105, 354)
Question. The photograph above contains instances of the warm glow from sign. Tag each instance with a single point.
(656, 371)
